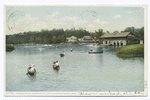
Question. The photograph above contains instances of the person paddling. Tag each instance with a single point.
(91, 49)
(57, 64)
(63, 52)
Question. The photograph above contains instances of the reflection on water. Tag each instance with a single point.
(79, 71)
(32, 77)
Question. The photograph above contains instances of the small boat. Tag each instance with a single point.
(56, 67)
(31, 70)
(62, 55)
(95, 52)
(57, 46)
(71, 50)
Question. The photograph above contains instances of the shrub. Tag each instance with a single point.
(9, 47)
(130, 51)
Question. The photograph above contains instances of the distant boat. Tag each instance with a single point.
(91, 50)
(57, 46)
(62, 55)
(95, 52)
(71, 50)
(56, 67)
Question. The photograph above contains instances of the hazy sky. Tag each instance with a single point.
(91, 18)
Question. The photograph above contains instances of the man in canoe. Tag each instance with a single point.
(63, 52)
(91, 49)
(56, 64)
(32, 68)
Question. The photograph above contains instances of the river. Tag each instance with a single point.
(79, 71)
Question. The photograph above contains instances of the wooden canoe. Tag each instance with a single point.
(95, 52)
(56, 68)
(61, 55)
(31, 73)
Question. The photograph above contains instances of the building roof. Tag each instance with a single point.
(87, 37)
(71, 37)
(109, 35)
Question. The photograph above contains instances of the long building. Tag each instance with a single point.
(116, 38)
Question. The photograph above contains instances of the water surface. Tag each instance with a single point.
(79, 71)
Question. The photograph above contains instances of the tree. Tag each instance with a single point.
(116, 31)
(130, 29)
(99, 33)
(62, 38)
(107, 31)
(54, 39)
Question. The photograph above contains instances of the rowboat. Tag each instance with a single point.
(62, 55)
(33, 72)
(56, 67)
(95, 52)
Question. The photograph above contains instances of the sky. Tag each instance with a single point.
(109, 18)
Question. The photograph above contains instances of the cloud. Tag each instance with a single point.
(117, 16)
(129, 12)
(55, 20)
(22, 23)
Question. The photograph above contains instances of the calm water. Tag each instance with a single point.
(79, 71)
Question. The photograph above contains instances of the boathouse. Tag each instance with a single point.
(116, 38)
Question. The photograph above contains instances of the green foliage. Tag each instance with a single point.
(130, 51)
(9, 47)
(138, 32)
(107, 31)
(99, 33)
(116, 31)
(129, 29)
(45, 36)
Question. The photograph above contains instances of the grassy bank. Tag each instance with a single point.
(9, 47)
(130, 51)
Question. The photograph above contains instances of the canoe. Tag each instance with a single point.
(61, 55)
(95, 52)
(56, 68)
(31, 73)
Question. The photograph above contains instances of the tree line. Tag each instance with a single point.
(46, 36)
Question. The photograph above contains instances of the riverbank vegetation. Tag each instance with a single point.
(130, 51)
(46, 36)
(10, 47)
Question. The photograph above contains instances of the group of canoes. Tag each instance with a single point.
(32, 71)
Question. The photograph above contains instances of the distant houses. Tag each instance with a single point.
(117, 38)
(85, 39)
(80, 39)
(122, 38)
(71, 39)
